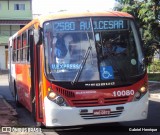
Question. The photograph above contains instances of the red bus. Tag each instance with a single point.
(83, 68)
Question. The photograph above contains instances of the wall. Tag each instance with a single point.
(7, 12)
(12, 14)
(2, 58)
(8, 30)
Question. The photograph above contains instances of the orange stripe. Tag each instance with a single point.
(34, 22)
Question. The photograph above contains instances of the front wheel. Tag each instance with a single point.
(16, 97)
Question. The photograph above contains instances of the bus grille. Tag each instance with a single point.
(92, 116)
(65, 92)
(97, 102)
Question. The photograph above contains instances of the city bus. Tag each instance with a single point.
(60, 72)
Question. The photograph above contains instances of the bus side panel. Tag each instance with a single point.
(23, 84)
(19, 83)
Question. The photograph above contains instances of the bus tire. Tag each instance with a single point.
(40, 125)
(33, 113)
(16, 98)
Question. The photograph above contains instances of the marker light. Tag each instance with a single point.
(49, 89)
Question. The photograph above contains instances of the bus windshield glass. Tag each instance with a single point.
(92, 49)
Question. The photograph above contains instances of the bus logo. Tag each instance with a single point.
(101, 101)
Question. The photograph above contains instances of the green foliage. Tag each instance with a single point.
(154, 76)
(146, 15)
(154, 67)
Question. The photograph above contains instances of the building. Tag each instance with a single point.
(14, 14)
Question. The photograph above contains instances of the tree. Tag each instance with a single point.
(146, 14)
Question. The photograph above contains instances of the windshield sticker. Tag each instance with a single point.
(106, 72)
(133, 62)
(64, 66)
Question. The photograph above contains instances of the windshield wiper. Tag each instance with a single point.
(82, 66)
(85, 56)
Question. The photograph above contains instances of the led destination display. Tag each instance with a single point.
(85, 25)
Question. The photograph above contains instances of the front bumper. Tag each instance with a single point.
(57, 116)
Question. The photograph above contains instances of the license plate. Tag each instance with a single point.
(101, 112)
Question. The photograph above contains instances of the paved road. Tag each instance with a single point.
(4, 89)
(25, 119)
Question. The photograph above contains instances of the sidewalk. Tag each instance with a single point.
(154, 88)
(7, 113)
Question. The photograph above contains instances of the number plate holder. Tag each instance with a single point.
(101, 112)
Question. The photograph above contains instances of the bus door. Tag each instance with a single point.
(36, 79)
(40, 82)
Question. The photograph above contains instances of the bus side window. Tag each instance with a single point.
(24, 45)
(21, 49)
(14, 50)
(29, 43)
(18, 49)
(24, 42)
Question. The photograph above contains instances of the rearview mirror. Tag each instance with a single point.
(97, 37)
(38, 36)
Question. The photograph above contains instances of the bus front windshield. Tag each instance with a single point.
(92, 49)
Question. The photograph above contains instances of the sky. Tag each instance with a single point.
(49, 6)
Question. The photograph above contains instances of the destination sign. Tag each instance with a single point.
(85, 24)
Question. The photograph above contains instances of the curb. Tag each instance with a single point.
(155, 96)
(7, 105)
(155, 93)
(154, 82)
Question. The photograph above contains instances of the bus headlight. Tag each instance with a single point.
(52, 95)
(143, 89)
(137, 95)
(59, 100)
(140, 93)
(56, 98)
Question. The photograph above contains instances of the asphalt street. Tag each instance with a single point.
(154, 88)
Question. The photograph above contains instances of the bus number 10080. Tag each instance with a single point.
(123, 93)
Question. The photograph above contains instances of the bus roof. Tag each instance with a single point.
(69, 14)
